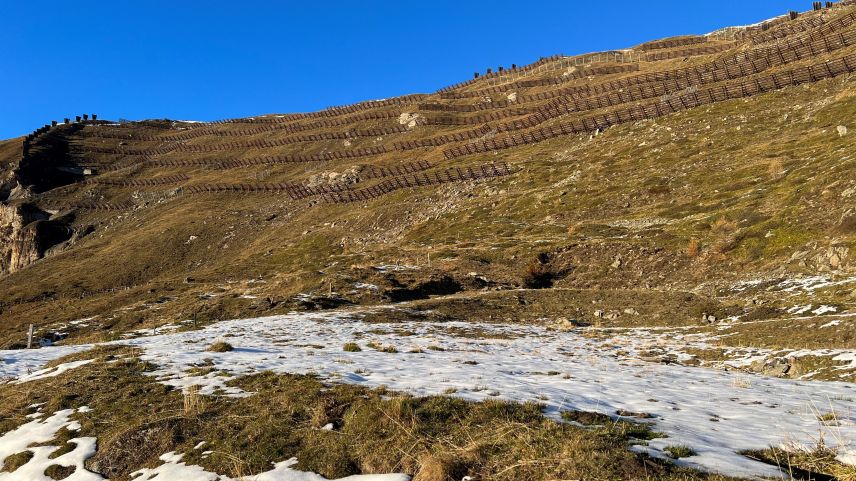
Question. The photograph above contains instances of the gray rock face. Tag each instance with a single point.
(25, 234)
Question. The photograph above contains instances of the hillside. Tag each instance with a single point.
(699, 189)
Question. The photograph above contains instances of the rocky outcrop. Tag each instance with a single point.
(26, 233)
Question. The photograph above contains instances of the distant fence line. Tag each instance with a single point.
(673, 104)
(690, 78)
(346, 135)
(576, 75)
(771, 30)
(172, 179)
(758, 34)
(405, 173)
(628, 62)
(636, 88)
(338, 193)
(453, 174)
(785, 28)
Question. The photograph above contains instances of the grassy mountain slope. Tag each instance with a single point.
(668, 212)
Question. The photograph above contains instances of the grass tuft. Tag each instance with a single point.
(680, 451)
(194, 404)
(220, 346)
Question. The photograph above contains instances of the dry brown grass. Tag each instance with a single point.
(376, 431)
(194, 403)
(815, 462)
(723, 226)
(775, 169)
(693, 248)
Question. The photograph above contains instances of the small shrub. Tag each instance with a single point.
(220, 346)
(351, 347)
(693, 248)
(827, 418)
(775, 168)
(680, 451)
(380, 347)
(539, 273)
(723, 226)
(194, 404)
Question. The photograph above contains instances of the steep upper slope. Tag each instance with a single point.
(658, 177)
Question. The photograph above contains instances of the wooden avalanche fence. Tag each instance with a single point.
(172, 179)
(402, 177)
(103, 206)
(373, 172)
(674, 103)
(453, 174)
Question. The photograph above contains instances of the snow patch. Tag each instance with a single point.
(482, 361)
(53, 371)
(41, 431)
(847, 457)
(395, 267)
(824, 309)
(174, 469)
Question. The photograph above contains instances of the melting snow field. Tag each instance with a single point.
(40, 430)
(174, 469)
(717, 413)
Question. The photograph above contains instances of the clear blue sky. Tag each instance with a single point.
(219, 59)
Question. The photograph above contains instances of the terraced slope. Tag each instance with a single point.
(655, 179)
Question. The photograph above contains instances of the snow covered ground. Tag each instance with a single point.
(41, 430)
(717, 413)
(174, 469)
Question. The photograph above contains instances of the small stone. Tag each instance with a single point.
(598, 313)
(616, 263)
(834, 261)
(777, 367)
(842, 130)
(631, 311)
